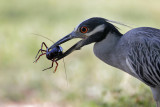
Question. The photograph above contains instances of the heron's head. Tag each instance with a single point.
(91, 30)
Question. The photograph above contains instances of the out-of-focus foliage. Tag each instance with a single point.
(90, 82)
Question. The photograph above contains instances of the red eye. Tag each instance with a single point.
(84, 29)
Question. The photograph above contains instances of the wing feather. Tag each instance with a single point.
(144, 57)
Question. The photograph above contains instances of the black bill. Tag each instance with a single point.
(64, 39)
(77, 46)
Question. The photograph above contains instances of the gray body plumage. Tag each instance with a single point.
(137, 52)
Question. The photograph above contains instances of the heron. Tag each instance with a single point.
(137, 52)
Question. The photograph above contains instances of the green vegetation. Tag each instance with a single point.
(90, 82)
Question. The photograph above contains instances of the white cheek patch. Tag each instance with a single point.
(99, 28)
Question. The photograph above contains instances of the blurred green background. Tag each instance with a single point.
(90, 82)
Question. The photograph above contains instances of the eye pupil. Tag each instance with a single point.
(84, 29)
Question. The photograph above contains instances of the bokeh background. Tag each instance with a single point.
(89, 82)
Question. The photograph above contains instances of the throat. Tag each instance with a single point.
(105, 50)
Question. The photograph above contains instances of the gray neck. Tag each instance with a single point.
(105, 49)
(109, 51)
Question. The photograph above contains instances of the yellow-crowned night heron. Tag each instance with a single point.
(136, 52)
